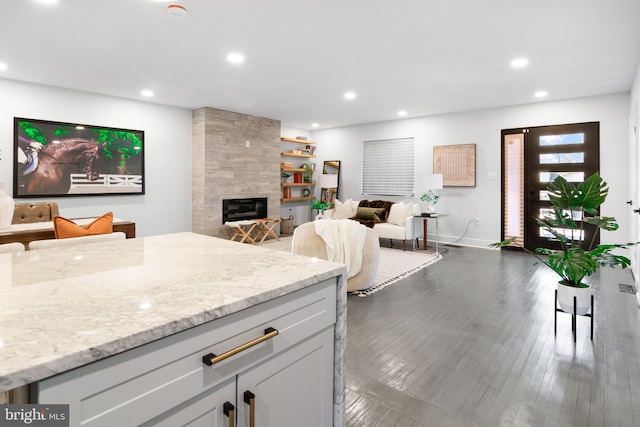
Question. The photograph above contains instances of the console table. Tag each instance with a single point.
(424, 229)
(25, 233)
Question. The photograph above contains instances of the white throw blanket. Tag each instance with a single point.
(345, 240)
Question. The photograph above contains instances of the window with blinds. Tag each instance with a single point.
(513, 200)
(388, 167)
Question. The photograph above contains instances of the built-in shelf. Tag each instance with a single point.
(295, 169)
(295, 199)
(297, 191)
(297, 141)
(286, 154)
(298, 184)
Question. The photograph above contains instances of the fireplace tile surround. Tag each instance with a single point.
(223, 167)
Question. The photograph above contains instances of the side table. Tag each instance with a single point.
(424, 229)
(254, 231)
(264, 229)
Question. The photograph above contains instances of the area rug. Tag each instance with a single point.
(395, 264)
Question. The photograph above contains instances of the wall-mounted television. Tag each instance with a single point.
(72, 159)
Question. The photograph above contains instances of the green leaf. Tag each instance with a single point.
(611, 260)
(606, 222)
(561, 193)
(573, 265)
(592, 193)
(503, 244)
(586, 196)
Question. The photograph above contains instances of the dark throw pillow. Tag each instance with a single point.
(375, 214)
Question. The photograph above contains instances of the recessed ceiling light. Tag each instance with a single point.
(315, 125)
(48, 1)
(3, 67)
(147, 93)
(541, 94)
(519, 62)
(235, 58)
(402, 113)
(177, 10)
(350, 95)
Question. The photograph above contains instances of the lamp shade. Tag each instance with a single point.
(430, 181)
(328, 180)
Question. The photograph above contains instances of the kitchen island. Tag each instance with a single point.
(88, 319)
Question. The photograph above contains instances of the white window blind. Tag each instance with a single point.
(387, 167)
(513, 187)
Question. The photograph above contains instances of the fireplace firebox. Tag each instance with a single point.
(244, 209)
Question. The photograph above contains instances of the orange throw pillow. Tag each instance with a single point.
(65, 228)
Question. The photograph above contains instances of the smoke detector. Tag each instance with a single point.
(177, 10)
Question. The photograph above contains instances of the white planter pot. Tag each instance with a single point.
(565, 299)
(7, 205)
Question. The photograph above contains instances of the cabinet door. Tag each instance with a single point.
(204, 410)
(294, 388)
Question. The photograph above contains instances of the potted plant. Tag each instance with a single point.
(575, 207)
(321, 206)
(431, 198)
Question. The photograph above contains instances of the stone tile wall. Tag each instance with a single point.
(223, 167)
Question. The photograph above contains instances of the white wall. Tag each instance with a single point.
(166, 206)
(483, 128)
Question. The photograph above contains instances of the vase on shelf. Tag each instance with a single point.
(7, 205)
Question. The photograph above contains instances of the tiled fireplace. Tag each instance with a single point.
(234, 157)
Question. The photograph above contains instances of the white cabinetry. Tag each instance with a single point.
(166, 383)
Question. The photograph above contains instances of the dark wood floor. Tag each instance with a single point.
(469, 341)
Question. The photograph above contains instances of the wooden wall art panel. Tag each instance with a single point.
(456, 163)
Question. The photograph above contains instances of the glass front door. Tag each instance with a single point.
(571, 151)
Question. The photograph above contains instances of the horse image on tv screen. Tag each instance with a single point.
(65, 159)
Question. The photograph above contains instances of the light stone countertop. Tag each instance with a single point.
(64, 308)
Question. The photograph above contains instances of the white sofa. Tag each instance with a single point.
(399, 224)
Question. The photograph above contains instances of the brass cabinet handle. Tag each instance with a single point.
(230, 411)
(250, 399)
(211, 358)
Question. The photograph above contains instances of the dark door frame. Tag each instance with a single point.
(532, 170)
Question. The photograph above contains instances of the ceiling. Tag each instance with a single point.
(423, 56)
